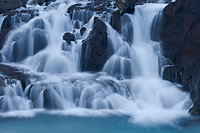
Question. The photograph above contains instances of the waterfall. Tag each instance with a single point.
(2, 17)
(129, 83)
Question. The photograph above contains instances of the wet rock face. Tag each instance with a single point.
(181, 42)
(14, 73)
(95, 48)
(40, 2)
(7, 5)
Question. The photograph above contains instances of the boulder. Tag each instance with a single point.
(82, 30)
(95, 48)
(69, 37)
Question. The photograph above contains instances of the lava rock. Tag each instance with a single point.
(69, 37)
(95, 48)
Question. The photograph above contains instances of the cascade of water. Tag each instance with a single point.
(2, 17)
(134, 87)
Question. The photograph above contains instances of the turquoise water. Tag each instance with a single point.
(48, 123)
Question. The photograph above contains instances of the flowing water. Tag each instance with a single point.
(129, 86)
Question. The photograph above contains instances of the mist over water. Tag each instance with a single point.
(129, 84)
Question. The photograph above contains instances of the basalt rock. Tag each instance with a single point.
(181, 43)
(95, 48)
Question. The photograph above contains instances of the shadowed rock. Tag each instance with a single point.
(95, 48)
(181, 42)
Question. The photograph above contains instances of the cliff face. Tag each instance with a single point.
(181, 44)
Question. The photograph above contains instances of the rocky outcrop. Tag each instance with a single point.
(12, 73)
(95, 48)
(7, 5)
(181, 42)
(40, 2)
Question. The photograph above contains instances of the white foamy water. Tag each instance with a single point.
(129, 83)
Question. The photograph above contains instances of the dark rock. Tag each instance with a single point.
(98, 2)
(41, 2)
(82, 30)
(115, 21)
(181, 43)
(95, 48)
(7, 5)
(127, 6)
(69, 37)
(1, 57)
(195, 109)
(173, 74)
(15, 73)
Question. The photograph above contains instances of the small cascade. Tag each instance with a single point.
(19, 19)
(26, 41)
(13, 98)
(81, 17)
(2, 17)
(127, 28)
(156, 27)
